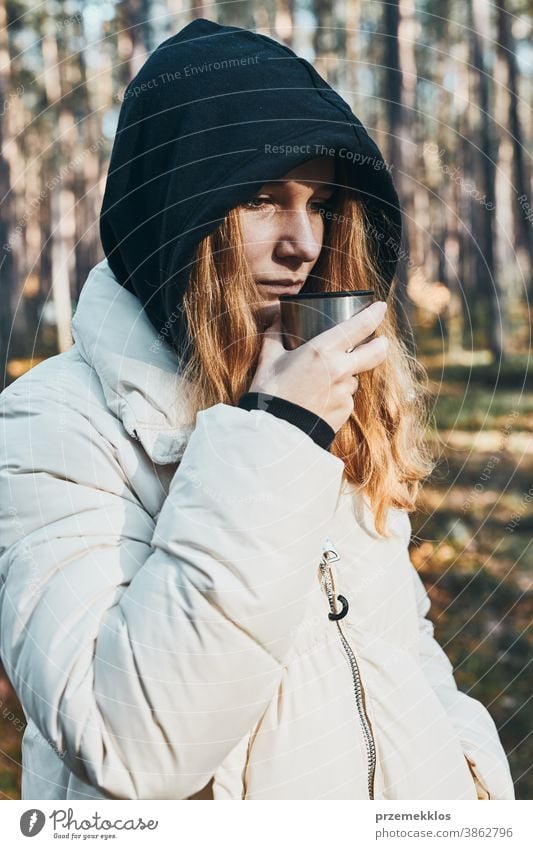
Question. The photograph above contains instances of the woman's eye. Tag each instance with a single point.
(258, 203)
(321, 206)
(255, 203)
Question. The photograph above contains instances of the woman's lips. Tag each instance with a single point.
(281, 288)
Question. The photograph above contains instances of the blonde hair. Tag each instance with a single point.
(383, 443)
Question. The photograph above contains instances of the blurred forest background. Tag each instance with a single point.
(446, 90)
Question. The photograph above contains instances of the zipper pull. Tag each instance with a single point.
(331, 555)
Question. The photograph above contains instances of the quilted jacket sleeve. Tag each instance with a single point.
(144, 650)
(474, 725)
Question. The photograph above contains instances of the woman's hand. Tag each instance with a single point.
(320, 375)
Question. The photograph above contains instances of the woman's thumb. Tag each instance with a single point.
(273, 337)
(271, 350)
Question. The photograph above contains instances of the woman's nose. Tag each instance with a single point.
(297, 237)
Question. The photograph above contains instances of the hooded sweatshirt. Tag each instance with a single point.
(214, 113)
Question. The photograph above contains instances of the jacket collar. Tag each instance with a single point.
(138, 371)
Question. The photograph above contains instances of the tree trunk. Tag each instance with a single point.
(513, 147)
(353, 52)
(7, 264)
(134, 38)
(329, 41)
(487, 283)
(62, 265)
(396, 65)
(239, 13)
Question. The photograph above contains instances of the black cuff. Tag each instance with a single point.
(317, 428)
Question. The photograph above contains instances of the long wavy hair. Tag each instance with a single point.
(383, 444)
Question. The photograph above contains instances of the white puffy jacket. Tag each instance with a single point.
(165, 592)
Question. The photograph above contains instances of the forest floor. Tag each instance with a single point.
(472, 543)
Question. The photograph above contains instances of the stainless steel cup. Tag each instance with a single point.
(304, 316)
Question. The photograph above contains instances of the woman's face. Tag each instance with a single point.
(283, 230)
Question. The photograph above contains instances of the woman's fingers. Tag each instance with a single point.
(349, 333)
(367, 356)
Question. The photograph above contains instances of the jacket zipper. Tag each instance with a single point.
(330, 555)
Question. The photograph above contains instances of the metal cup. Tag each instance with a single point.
(304, 316)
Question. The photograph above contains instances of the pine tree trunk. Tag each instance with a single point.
(398, 143)
(7, 264)
(514, 148)
(487, 283)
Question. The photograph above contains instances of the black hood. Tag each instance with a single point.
(202, 126)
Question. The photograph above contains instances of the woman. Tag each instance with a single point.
(206, 588)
